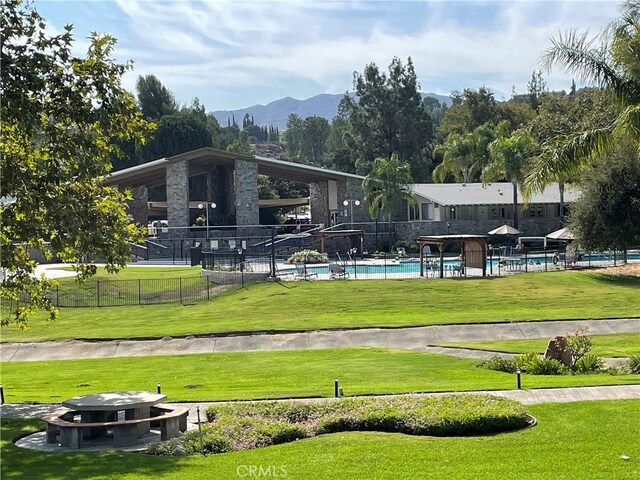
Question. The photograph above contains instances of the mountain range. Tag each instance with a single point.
(275, 113)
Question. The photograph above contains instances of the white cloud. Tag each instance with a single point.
(199, 47)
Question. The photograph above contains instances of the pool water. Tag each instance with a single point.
(451, 265)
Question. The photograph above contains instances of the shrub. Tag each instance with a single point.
(633, 363)
(579, 344)
(308, 256)
(526, 361)
(501, 364)
(546, 366)
(241, 426)
(589, 363)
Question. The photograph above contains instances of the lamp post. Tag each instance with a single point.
(206, 209)
(351, 202)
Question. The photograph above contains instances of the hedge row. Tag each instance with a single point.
(241, 426)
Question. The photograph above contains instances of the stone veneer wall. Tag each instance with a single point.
(177, 175)
(318, 198)
(138, 206)
(247, 212)
(538, 227)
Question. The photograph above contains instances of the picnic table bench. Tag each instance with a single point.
(72, 433)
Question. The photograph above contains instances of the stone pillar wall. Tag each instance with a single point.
(247, 212)
(319, 202)
(177, 175)
(351, 189)
(138, 206)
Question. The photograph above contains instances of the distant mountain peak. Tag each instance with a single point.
(276, 112)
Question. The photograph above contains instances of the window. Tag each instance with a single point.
(427, 211)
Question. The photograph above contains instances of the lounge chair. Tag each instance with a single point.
(337, 271)
(401, 252)
(302, 273)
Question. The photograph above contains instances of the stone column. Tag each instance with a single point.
(247, 193)
(138, 206)
(177, 175)
(319, 202)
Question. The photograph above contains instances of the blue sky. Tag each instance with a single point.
(233, 54)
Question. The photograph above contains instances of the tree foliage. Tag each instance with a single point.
(154, 99)
(388, 115)
(614, 66)
(607, 215)
(509, 159)
(306, 140)
(387, 185)
(63, 118)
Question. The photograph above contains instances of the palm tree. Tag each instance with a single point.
(387, 185)
(614, 65)
(464, 155)
(509, 158)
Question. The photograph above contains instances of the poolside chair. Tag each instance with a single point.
(337, 271)
(401, 252)
(302, 273)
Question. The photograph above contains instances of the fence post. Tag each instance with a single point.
(273, 253)
(180, 281)
(545, 256)
(98, 291)
(355, 267)
(57, 295)
(139, 291)
(208, 292)
(385, 266)
(526, 262)
(242, 278)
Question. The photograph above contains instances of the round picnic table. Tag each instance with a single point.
(104, 407)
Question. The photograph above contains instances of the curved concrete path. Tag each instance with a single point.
(411, 338)
(528, 397)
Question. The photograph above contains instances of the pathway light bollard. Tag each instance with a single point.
(200, 429)
(518, 372)
(336, 388)
(158, 388)
(1, 395)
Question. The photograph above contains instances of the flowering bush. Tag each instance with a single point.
(308, 256)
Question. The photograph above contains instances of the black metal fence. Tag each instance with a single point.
(499, 262)
(112, 293)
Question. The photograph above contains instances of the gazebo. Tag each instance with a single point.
(473, 248)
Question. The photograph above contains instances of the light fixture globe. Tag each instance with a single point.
(200, 206)
(357, 202)
(345, 203)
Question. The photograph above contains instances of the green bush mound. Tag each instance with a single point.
(242, 426)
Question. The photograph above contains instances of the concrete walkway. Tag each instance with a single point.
(527, 397)
(411, 338)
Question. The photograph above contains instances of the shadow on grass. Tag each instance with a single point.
(620, 280)
(18, 463)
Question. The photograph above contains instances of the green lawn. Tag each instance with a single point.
(363, 303)
(571, 440)
(281, 374)
(615, 345)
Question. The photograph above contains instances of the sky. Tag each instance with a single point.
(234, 54)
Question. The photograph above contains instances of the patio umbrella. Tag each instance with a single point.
(505, 230)
(562, 234)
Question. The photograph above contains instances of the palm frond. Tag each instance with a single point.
(567, 159)
(586, 61)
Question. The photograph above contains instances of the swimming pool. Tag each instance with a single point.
(451, 266)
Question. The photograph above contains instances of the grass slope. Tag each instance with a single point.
(570, 440)
(366, 303)
(282, 374)
(614, 345)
